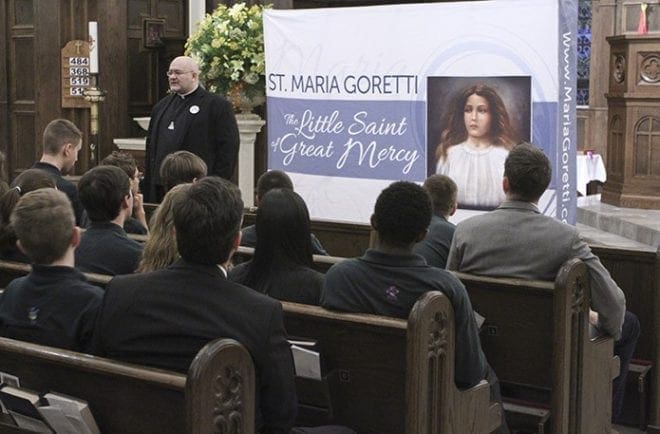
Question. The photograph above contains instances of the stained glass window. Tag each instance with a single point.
(583, 51)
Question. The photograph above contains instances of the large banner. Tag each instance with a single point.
(360, 97)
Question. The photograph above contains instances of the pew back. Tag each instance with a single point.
(216, 396)
(637, 272)
(389, 376)
(10, 270)
(537, 334)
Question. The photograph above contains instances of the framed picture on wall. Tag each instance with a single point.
(153, 31)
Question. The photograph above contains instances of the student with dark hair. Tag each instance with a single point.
(181, 167)
(493, 244)
(271, 180)
(163, 318)
(62, 141)
(266, 182)
(53, 305)
(137, 222)
(27, 181)
(281, 267)
(388, 280)
(435, 245)
(105, 192)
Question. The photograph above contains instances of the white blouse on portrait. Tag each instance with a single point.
(477, 173)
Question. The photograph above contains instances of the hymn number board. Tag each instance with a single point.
(75, 74)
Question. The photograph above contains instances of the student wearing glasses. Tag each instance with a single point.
(192, 119)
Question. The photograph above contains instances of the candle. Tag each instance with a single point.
(93, 47)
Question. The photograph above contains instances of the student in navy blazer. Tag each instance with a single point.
(165, 317)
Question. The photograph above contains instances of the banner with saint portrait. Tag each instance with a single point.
(360, 97)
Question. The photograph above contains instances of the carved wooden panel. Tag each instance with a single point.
(23, 13)
(647, 147)
(649, 68)
(619, 71)
(140, 71)
(146, 67)
(22, 68)
(174, 12)
(615, 148)
(24, 139)
(228, 388)
(635, 179)
(137, 10)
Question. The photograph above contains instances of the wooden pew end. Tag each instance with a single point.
(615, 367)
(494, 416)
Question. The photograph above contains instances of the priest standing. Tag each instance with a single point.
(190, 118)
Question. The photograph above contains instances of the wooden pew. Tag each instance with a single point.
(537, 335)
(637, 272)
(322, 263)
(387, 375)
(10, 270)
(217, 395)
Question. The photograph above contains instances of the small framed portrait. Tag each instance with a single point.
(153, 32)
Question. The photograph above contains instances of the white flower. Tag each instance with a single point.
(228, 46)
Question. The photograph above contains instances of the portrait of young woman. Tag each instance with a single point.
(476, 133)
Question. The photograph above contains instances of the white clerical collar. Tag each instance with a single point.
(186, 94)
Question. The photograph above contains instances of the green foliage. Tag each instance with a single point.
(229, 47)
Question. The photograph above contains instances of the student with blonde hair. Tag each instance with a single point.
(160, 250)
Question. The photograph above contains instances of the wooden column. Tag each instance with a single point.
(593, 131)
(633, 143)
(113, 77)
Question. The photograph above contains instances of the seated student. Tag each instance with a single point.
(281, 267)
(165, 317)
(27, 181)
(137, 222)
(388, 279)
(105, 192)
(181, 167)
(53, 305)
(62, 141)
(435, 245)
(160, 249)
(493, 244)
(266, 182)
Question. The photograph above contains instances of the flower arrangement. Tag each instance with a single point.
(229, 47)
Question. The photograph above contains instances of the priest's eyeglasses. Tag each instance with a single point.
(176, 72)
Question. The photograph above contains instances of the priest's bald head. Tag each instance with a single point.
(183, 75)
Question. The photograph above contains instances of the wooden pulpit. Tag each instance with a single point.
(633, 139)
